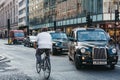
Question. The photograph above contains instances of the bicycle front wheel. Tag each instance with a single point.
(47, 68)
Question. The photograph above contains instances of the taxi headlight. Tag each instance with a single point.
(82, 50)
(114, 50)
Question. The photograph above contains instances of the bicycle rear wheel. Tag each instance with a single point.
(47, 68)
(38, 67)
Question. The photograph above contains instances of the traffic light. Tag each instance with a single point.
(89, 20)
(8, 24)
(116, 15)
(54, 25)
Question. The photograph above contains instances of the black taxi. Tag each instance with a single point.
(60, 42)
(92, 46)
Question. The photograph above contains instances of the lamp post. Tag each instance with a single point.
(116, 24)
(8, 30)
(116, 20)
(27, 17)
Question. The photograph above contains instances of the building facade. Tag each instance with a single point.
(72, 13)
(67, 14)
(8, 10)
(23, 14)
(36, 14)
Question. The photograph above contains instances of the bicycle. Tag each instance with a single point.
(45, 65)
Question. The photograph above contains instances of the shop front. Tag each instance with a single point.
(112, 29)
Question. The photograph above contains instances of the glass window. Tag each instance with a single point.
(58, 35)
(21, 3)
(99, 8)
(19, 34)
(91, 36)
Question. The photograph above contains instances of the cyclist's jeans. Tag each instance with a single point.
(39, 52)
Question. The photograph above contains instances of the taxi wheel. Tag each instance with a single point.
(54, 52)
(112, 67)
(77, 62)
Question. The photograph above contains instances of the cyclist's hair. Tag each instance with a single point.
(44, 29)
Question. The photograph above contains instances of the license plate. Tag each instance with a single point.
(99, 62)
(65, 49)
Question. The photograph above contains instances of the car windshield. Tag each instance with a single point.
(19, 34)
(58, 35)
(91, 36)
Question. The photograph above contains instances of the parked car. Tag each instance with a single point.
(29, 41)
(92, 46)
(60, 42)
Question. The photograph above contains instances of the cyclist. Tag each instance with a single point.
(44, 42)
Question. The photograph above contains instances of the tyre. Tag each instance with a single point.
(38, 67)
(54, 51)
(77, 62)
(14, 41)
(112, 67)
(24, 44)
(47, 68)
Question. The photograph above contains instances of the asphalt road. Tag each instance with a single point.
(22, 66)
